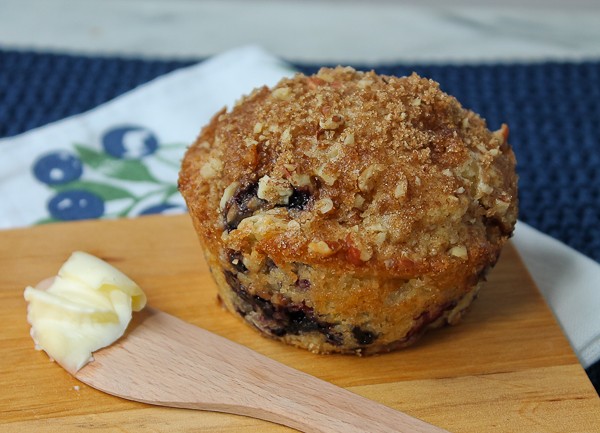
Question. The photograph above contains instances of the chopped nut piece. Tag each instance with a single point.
(366, 179)
(324, 205)
(286, 136)
(333, 122)
(447, 172)
(329, 134)
(365, 82)
(300, 179)
(207, 171)
(211, 168)
(401, 188)
(349, 140)
(334, 152)
(376, 228)
(258, 128)
(293, 225)
(274, 190)
(249, 142)
(380, 238)
(459, 251)
(416, 102)
(254, 262)
(485, 188)
(481, 148)
(327, 177)
(325, 76)
(228, 193)
(261, 224)
(282, 93)
(502, 206)
(320, 247)
(359, 201)
(366, 254)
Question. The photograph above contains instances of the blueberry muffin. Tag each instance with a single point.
(348, 211)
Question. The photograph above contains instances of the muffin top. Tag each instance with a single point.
(357, 171)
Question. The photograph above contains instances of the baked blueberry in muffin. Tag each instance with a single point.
(348, 211)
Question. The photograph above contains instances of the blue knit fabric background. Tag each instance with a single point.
(552, 109)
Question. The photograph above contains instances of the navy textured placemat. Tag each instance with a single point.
(552, 109)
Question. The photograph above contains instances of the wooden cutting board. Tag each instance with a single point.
(506, 368)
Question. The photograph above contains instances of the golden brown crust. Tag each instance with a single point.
(381, 178)
(412, 152)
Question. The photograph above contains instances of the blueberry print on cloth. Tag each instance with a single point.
(113, 178)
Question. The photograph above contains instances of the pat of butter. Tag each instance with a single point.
(87, 307)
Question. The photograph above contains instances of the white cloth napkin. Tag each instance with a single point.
(122, 159)
(570, 283)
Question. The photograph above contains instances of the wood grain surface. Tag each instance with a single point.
(506, 368)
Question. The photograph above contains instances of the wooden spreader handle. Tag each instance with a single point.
(165, 361)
